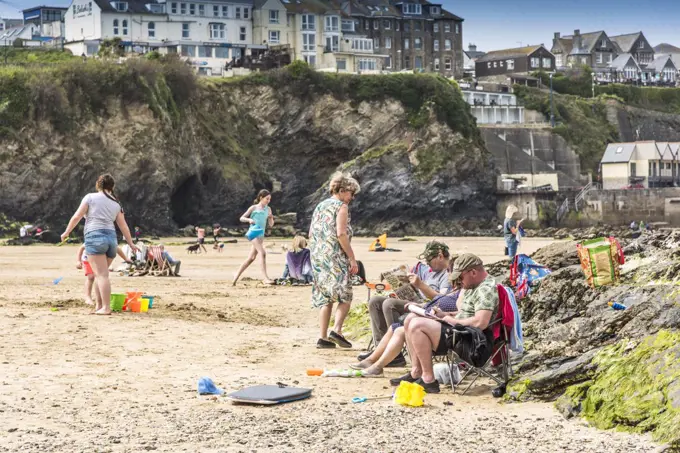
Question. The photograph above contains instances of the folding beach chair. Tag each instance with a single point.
(497, 367)
(158, 264)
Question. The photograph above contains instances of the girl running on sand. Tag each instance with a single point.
(258, 216)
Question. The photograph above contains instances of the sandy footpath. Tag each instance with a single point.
(71, 382)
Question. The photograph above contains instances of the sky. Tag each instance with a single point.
(501, 24)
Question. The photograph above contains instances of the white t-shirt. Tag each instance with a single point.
(101, 212)
(23, 231)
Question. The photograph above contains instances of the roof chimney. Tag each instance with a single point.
(557, 35)
(577, 32)
(472, 48)
(577, 40)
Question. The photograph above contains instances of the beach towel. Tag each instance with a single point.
(299, 264)
(526, 274)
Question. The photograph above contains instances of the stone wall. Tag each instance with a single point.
(538, 208)
(620, 207)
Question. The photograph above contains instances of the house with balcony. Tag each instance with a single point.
(647, 163)
(492, 107)
(521, 60)
(209, 34)
(50, 23)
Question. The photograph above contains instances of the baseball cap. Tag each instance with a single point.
(463, 263)
(432, 250)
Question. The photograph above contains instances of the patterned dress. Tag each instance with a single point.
(330, 264)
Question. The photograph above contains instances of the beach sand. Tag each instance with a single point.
(73, 382)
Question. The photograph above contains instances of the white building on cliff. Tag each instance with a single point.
(208, 33)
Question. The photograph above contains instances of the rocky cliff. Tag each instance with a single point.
(188, 152)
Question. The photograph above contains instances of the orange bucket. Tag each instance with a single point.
(135, 306)
(132, 297)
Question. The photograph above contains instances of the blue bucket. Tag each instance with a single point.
(150, 300)
(254, 232)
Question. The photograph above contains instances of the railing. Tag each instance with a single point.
(563, 209)
(581, 195)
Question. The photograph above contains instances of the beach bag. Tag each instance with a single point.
(600, 260)
(526, 274)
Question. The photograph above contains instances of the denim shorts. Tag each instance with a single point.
(100, 242)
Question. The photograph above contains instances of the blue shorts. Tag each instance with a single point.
(100, 242)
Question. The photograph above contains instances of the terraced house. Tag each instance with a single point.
(364, 35)
(208, 33)
(627, 57)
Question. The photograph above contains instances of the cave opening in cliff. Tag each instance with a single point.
(186, 202)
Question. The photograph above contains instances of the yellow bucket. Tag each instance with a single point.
(144, 306)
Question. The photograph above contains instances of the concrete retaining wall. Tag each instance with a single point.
(620, 207)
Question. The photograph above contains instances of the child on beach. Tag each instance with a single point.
(81, 263)
(259, 216)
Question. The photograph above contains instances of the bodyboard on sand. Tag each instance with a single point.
(269, 394)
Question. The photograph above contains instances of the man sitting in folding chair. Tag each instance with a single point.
(425, 336)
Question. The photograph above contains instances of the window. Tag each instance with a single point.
(495, 64)
(609, 58)
(376, 25)
(535, 62)
(603, 43)
(310, 59)
(236, 53)
(182, 8)
(388, 62)
(92, 49)
(367, 64)
(411, 8)
(418, 44)
(221, 52)
(436, 45)
(510, 64)
(308, 42)
(237, 13)
(173, 7)
(185, 30)
(362, 44)
(599, 57)
(388, 43)
(387, 25)
(348, 25)
(188, 51)
(308, 22)
(192, 9)
(225, 11)
(558, 60)
(274, 37)
(273, 16)
(633, 169)
(447, 44)
(366, 27)
(584, 60)
(407, 63)
(457, 28)
(201, 9)
(641, 45)
(418, 62)
(216, 10)
(341, 64)
(333, 43)
(447, 64)
(500, 63)
(407, 26)
(246, 13)
(218, 31)
(447, 27)
(125, 27)
(242, 34)
(119, 6)
(436, 64)
(332, 23)
(488, 65)
(396, 25)
(152, 29)
(547, 63)
(116, 30)
(435, 27)
(376, 43)
(434, 10)
(204, 52)
(407, 44)
(416, 25)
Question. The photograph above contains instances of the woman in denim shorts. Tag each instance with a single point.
(101, 210)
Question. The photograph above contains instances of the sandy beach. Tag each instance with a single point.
(71, 382)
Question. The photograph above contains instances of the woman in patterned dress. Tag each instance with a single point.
(333, 260)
